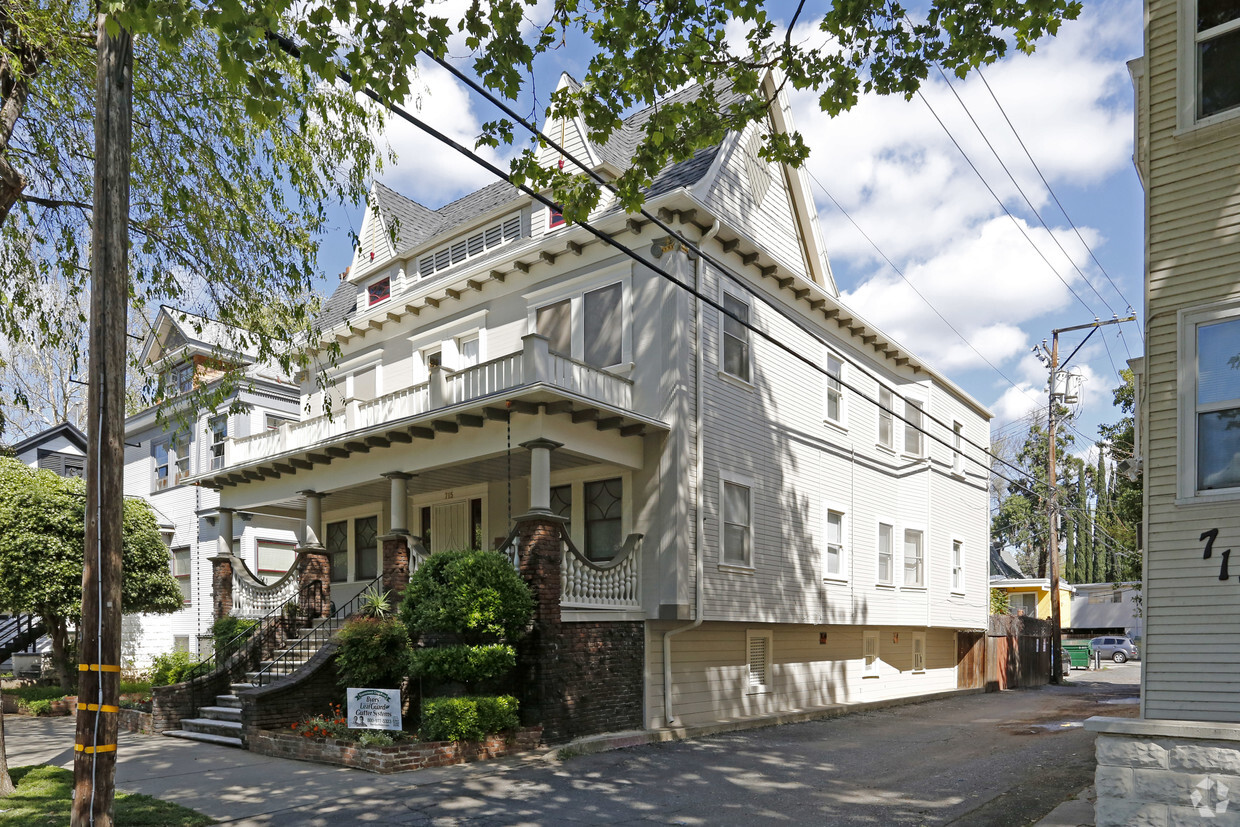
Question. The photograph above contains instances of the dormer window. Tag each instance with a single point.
(381, 290)
(555, 219)
(179, 379)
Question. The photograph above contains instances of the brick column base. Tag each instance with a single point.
(221, 586)
(315, 564)
(542, 685)
(395, 565)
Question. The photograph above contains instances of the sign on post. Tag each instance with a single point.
(374, 708)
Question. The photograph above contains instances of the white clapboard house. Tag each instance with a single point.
(748, 534)
(167, 443)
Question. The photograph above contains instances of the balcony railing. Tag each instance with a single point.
(613, 584)
(252, 598)
(533, 365)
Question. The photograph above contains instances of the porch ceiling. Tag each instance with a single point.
(438, 479)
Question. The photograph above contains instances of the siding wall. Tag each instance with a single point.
(710, 669)
(1192, 656)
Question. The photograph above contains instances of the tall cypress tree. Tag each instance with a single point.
(1084, 548)
(1102, 515)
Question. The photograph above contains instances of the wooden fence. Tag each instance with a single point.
(1018, 653)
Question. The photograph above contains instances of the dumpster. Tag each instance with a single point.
(1079, 654)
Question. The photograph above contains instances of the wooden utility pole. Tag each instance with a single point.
(1056, 395)
(94, 765)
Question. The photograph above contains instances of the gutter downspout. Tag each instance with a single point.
(669, 717)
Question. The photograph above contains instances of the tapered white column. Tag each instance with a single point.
(399, 521)
(540, 474)
(314, 519)
(224, 547)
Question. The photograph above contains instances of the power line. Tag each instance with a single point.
(1019, 189)
(1054, 196)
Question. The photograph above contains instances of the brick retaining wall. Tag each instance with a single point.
(396, 758)
(287, 700)
(601, 669)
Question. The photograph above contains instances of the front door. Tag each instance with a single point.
(450, 526)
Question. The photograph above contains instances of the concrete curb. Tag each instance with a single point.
(606, 742)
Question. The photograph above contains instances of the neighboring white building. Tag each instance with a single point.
(831, 552)
(160, 455)
(1176, 764)
(61, 449)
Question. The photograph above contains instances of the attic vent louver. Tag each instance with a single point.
(466, 248)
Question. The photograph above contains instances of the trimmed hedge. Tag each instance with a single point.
(467, 718)
(467, 664)
(171, 667)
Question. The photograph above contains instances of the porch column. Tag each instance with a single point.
(396, 541)
(224, 521)
(222, 565)
(314, 563)
(540, 474)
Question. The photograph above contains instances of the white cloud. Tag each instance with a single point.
(425, 169)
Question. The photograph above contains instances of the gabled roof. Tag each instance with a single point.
(65, 429)
(173, 329)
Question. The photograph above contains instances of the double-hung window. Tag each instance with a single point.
(886, 421)
(218, 428)
(590, 327)
(180, 452)
(467, 351)
(957, 448)
(886, 554)
(338, 550)
(162, 454)
(835, 390)
(913, 444)
(275, 558)
(919, 651)
(737, 525)
(181, 572)
(735, 345)
(914, 561)
(1210, 354)
(835, 545)
(957, 566)
(869, 653)
(1211, 57)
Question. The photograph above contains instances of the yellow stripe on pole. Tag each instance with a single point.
(97, 667)
(100, 708)
(89, 750)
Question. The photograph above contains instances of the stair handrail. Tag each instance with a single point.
(220, 657)
(303, 644)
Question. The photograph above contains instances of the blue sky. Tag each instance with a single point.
(1003, 284)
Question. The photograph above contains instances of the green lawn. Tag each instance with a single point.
(44, 794)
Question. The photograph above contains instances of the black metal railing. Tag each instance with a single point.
(19, 632)
(222, 657)
(307, 644)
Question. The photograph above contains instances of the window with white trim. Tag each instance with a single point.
(957, 566)
(914, 559)
(957, 448)
(274, 559)
(274, 421)
(758, 646)
(467, 351)
(919, 651)
(161, 453)
(378, 291)
(366, 548)
(914, 445)
(1212, 61)
(834, 566)
(179, 379)
(604, 514)
(734, 343)
(886, 421)
(869, 653)
(735, 523)
(337, 544)
(590, 327)
(180, 458)
(886, 553)
(218, 428)
(181, 572)
(1210, 400)
(835, 389)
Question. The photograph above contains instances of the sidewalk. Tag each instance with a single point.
(235, 786)
(1077, 811)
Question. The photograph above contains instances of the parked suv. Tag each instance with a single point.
(1118, 649)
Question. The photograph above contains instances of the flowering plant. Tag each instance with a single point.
(331, 725)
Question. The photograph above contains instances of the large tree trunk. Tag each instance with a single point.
(59, 632)
(6, 783)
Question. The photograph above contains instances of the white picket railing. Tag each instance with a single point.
(252, 598)
(532, 365)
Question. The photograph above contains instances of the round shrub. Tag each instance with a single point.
(170, 668)
(475, 595)
(372, 652)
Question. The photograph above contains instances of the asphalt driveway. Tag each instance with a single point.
(998, 759)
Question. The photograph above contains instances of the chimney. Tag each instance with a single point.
(345, 274)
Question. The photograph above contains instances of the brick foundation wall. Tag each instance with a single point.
(539, 655)
(1151, 780)
(601, 667)
(315, 564)
(310, 691)
(171, 704)
(396, 758)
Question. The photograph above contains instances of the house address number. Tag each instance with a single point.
(1209, 537)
